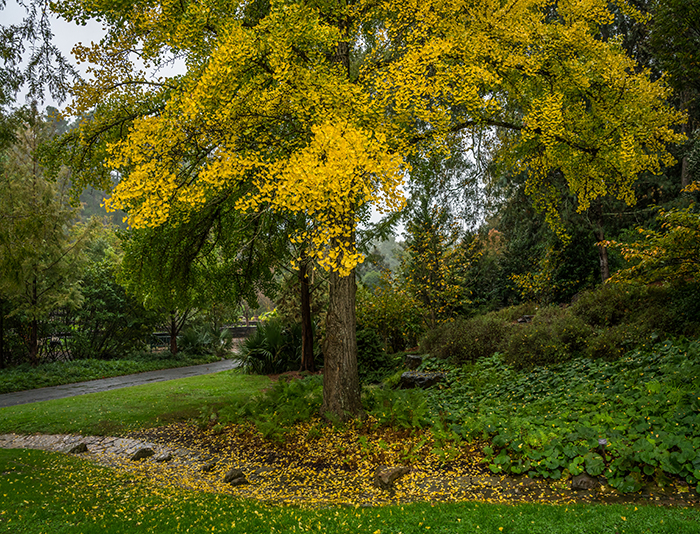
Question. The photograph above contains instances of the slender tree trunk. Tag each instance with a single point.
(173, 333)
(2, 334)
(341, 384)
(34, 330)
(34, 342)
(687, 130)
(602, 251)
(307, 340)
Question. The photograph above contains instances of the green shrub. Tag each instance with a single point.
(392, 313)
(404, 408)
(373, 363)
(611, 343)
(610, 305)
(273, 348)
(276, 409)
(205, 339)
(464, 341)
(535, 344)
(513, 313)
(573, 332)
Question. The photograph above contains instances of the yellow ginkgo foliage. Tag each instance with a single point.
(312, 106)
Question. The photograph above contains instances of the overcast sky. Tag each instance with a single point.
(66, 35)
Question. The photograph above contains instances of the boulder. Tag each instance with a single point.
(78, 449)
(384, 477)
(412, 361)
(415, 379)
(163, 457)
(584, 482)
(235, 477)
(209, 466)
(141, 454)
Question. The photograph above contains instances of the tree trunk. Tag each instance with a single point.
(34, 342)
(686, 97)
(2, 334)
(307, 340)
(341, 384)
(173, 333)
(602, 251)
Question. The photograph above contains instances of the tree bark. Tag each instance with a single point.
(2, 334)
(34, 342)
(341, 383)
(307, 340)
(686, 97)
(173, 333)
(602, 251)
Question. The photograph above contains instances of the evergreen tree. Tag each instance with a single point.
(41, 251)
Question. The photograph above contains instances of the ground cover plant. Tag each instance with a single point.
(24, 376)
(634, 420)
(45, 492)
(116, 411)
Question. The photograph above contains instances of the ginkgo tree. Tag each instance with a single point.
(313, 107)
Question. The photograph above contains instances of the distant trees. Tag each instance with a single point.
(41, 249)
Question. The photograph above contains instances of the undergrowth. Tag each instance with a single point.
(633, 420)
(286, 403)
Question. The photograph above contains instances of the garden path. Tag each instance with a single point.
(200, 462)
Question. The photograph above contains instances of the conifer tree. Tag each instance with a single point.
(40, 248)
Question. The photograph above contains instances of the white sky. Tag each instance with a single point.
(66, 36)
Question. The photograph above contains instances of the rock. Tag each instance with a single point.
(525, 319)
(415, 379)
(235, 477)
(384, 477)
(209, 466)
(413, 361)
(78, 449)
(141, 454)
(584, 482)
(163, 457)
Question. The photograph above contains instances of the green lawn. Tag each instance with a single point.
(115, 411)
(24, 377)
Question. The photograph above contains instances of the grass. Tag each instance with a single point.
(115, 411)
(24, 377)
(48, 492)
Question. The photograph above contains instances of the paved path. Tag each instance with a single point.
(105, 384)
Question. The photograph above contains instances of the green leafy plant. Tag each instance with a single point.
(632, 420)
(273, 348)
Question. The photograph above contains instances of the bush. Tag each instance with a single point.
(535, 344)
(392, 313)
(610, 305)
(273, 348)
(205, 339)
(465, 341)
(404, 408)
(275, 410)
(611, 343)
(373, 363)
